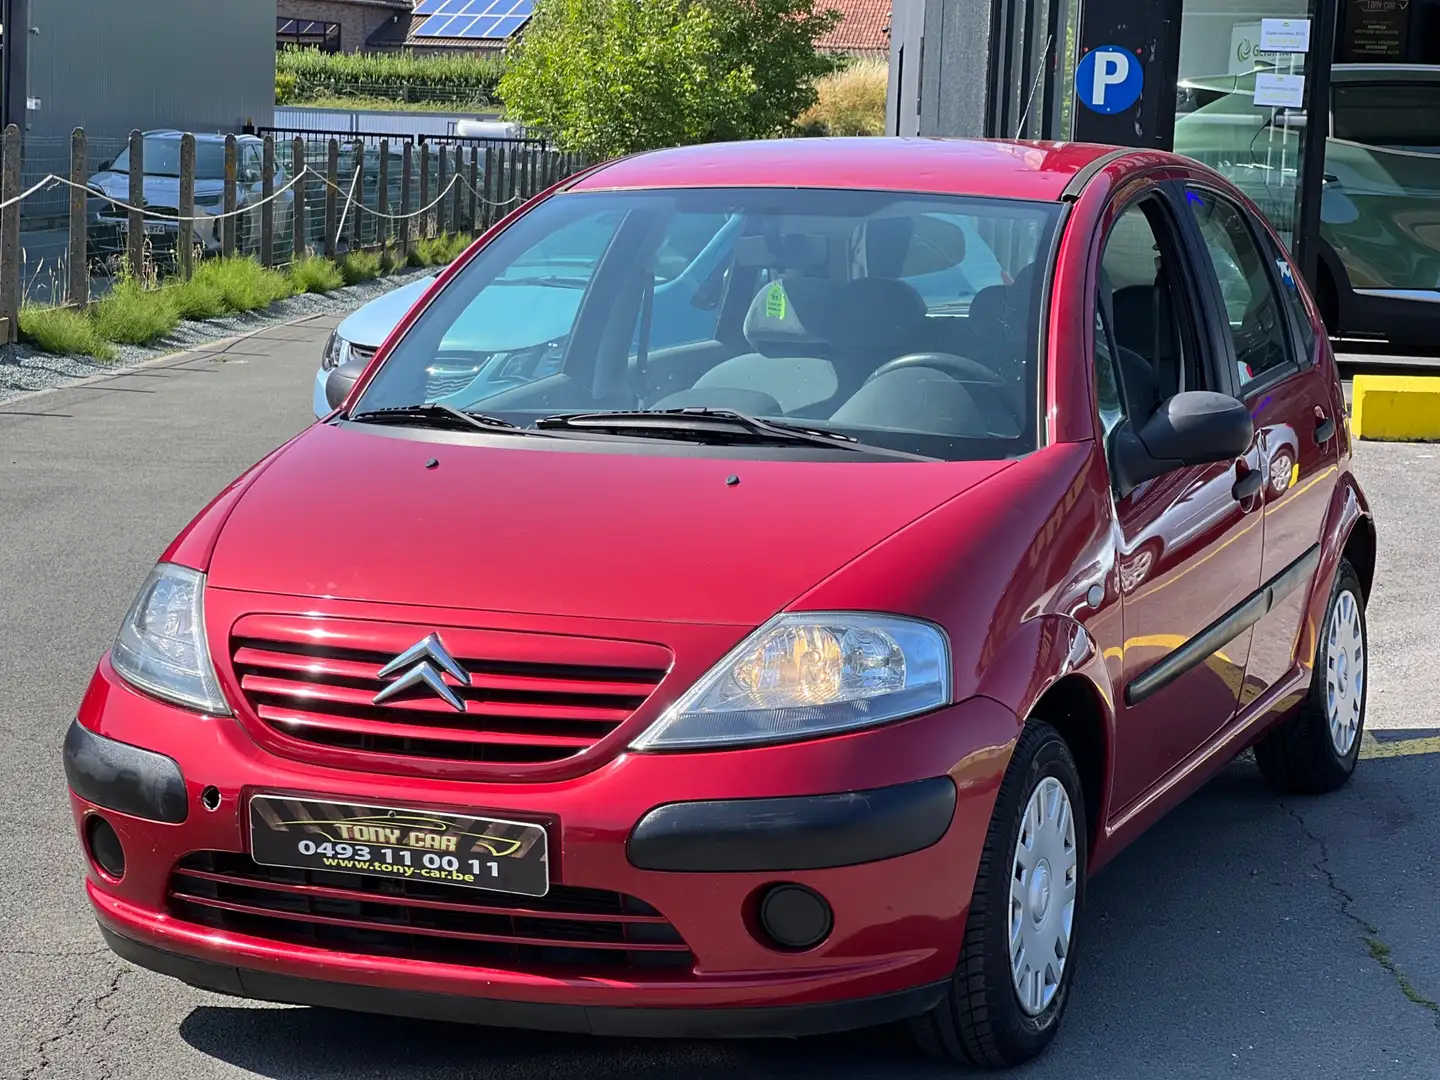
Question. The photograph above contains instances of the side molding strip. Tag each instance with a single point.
(1224, 629)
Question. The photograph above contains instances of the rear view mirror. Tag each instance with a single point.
(341, 381)
(1198, 427)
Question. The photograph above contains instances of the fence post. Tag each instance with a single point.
(407, 162)
(135, 224)
(474, 191)
(357, 233)
(382, 201)
(267, 209)
(440, 192)
(10, 236)
(487, 208)
(77, 294)
(457, 201)
(227, 223)
(185, 228)
(300, 231)
(332, 182)
(508, 181)
(424, 189)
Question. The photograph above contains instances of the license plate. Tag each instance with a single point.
(414, 845)
(156, 228)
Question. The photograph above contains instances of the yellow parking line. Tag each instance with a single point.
(1371, 747)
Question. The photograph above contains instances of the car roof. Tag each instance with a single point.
(995, 168)
(1391, 73)
(173, 133)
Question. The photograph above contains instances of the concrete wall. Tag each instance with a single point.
(113, 65)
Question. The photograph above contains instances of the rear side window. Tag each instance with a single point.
(1251, 305)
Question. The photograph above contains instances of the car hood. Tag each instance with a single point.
(497, 320)
(369, 326)
(356, 514)
(159, 190)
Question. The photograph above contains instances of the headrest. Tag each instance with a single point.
(880, 313)
(793, 313)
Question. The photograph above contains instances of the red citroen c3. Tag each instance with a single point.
(835, 552)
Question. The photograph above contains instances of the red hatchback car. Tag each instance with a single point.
(782, 676)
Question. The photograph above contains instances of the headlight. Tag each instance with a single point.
(161, 646)
(337, 352)
(809, 674)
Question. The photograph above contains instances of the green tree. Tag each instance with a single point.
(608, 77)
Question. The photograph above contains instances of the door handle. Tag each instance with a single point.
(1324, 430)
(1248, 486)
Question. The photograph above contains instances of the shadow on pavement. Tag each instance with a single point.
(1217, 944)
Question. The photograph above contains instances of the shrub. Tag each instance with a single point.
(358, 266)
(315, 274)
(308, 74)
(196, 299)
(851, 101)
(63, 331)
(437, 250)
(134, 315)
(609, 77)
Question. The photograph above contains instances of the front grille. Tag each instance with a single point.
(524, 704)
(575, 929)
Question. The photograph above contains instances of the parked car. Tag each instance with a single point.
(782, 680)
(109, 223)
(1380, 208)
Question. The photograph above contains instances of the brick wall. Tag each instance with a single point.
(357, 20)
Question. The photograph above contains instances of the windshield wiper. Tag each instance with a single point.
(434, 414)
(545, 279)
(717, 426)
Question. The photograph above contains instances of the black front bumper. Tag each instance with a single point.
(124, 778)
(808, 832)
(770, 1022)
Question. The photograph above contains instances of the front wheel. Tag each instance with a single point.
(1315, 750)
(1003, 1004)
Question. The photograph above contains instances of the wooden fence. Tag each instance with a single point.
(275, 201)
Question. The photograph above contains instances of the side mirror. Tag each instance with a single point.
(1198, 427)
(341, 381)
(105, 165)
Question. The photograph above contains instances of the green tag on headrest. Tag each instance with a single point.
(775, 301)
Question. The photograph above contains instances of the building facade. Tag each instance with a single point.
(340, 25)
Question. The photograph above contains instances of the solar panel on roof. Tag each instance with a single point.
(476, 20)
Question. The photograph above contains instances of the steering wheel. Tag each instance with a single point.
(965, 371)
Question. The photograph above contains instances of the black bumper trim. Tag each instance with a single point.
(677, 1023)
(813, 832)
(124, 778)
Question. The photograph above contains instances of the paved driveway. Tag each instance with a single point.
(1244, 937)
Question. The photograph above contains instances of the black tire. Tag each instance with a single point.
(1300, 756)
(980, 1021)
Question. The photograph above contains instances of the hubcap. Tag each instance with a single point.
(1345, 672)
(1043, 881)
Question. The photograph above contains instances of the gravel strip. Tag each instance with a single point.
(25, 370)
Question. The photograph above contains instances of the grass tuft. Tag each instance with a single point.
(134, 315)
(315, 274)
(358, 266)
(63, 331)
(197, 300)
(852, 101)
(243, 283)
(437, 250)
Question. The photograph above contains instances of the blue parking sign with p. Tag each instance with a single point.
(1109, 79)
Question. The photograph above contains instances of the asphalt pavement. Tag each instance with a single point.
(1244, 936)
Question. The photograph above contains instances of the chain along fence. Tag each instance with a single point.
(276, 198)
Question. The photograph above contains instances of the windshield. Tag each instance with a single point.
(901, 321)
(162, 158)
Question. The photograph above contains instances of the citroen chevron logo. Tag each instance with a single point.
(429, 660)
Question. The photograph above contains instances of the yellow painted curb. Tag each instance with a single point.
(1397, 408)
(1371, 747)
